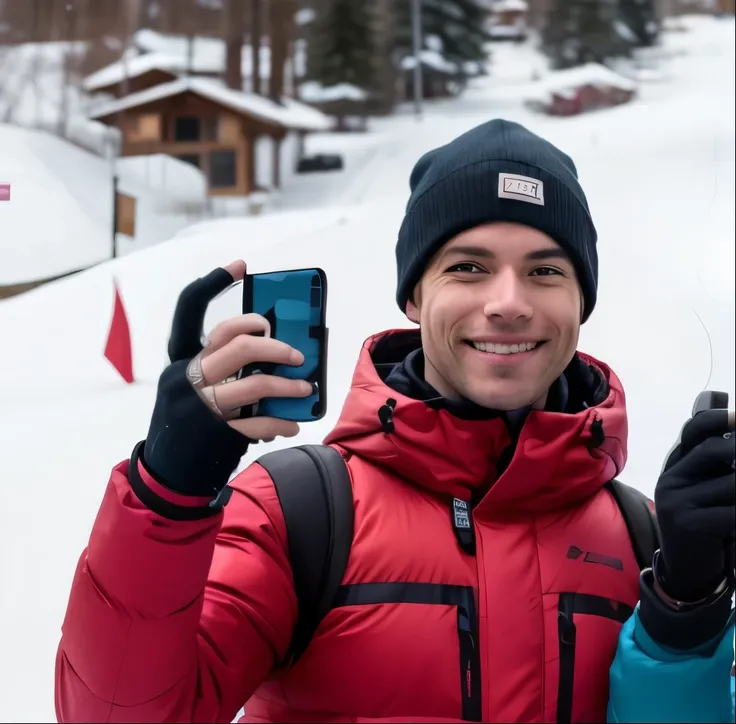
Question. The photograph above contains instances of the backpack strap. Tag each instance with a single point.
(313, 486)
(638, 514)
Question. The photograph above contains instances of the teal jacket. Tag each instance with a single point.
(652, 684)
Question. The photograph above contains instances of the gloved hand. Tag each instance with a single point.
(195, 440)
(695, 502)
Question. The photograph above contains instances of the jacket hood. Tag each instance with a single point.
(546, 460)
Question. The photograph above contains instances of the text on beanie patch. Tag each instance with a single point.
(520, 188)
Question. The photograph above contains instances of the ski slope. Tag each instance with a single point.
(662, 195)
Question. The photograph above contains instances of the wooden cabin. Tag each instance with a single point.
(215, 128)
(508, 20)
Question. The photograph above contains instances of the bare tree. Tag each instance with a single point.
(256, 35)
(283, 30)
(68, 22)
(233, 33)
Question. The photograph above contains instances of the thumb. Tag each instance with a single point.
(701, 426)
(708, 423)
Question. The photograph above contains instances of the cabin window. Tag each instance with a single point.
(191, 129)
(186, 129)
(223, 169)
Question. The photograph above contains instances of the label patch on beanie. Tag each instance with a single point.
(520, 188)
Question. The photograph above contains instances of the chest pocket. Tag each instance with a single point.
(461, 598)
(587, 631)
(314, 478)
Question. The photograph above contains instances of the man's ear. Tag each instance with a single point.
(414, 304)
(413, 311)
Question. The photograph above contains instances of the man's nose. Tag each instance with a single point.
(507, 298)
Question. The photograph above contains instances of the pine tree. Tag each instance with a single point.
(584, 31)
(341, 45)
(642, 19)
(457, 26)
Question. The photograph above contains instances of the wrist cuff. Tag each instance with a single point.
(166, 508)
(685, 628)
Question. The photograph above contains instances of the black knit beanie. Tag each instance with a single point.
(498, 171)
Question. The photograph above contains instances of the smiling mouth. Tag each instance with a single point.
(505, 349)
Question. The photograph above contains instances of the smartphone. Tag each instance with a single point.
(295, 304)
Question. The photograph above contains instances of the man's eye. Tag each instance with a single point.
(465, 266)
(545, 271)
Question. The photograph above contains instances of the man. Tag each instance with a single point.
(183, 609)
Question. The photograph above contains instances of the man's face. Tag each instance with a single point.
(499, 308)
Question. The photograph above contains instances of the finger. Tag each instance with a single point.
(265, 428)
(705, 424)
(244, 350)
(191, 307)
(710, 457)
(245, 392)
(236, 269)
(717, 522)
(229, 329)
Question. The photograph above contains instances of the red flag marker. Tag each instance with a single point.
(118, 349)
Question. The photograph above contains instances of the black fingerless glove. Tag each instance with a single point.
(189, 448)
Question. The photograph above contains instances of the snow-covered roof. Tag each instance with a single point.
(211, 52)
(506, 6)
(313, 92)
(292, 114)
(561, 82)
(170, 54)
(136, 66)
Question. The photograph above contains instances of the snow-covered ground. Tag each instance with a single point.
(59, 217)
(659, 174)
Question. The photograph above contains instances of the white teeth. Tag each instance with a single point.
(504, 348)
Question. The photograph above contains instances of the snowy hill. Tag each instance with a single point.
(59, 218)
(663, 200)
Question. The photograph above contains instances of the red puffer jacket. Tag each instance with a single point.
(160, 630)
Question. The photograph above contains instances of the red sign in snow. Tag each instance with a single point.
(4, 192)
(118, 349)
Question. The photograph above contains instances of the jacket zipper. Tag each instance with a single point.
(467, 628)
(569, 605)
